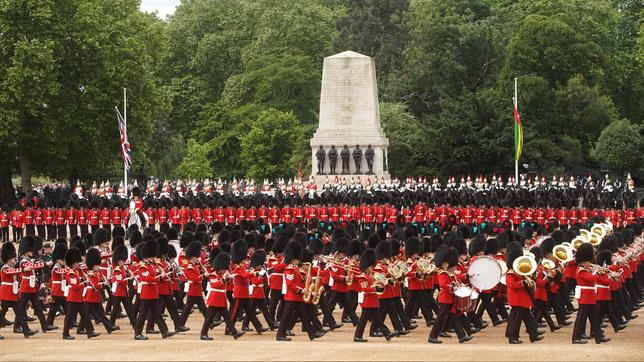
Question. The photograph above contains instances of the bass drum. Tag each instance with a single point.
(484, 273)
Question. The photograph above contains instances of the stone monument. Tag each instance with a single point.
(349, 115)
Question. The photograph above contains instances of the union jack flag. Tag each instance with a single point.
(126, 151)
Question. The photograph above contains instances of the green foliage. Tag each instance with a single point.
(267, 148)
(621, 147)
(195, 163)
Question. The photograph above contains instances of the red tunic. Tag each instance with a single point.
(216, 296)
(58, 273)
(92, 289)
(241, 280)
(518, 295)
(277, 265)
(445, 292)
(119, 282)
(603, 287)
(148, 280)
(9, 281)
(28, 283)
(294, 280)
(338, 275)
(369, 295)
(193, 280)
(586, 285)
(74, 285)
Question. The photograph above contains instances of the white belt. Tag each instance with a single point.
(587, 288)
(259, 286)
(218, 290)
(602, 286)
(277, 274)
(26, 277)
(57, 282)
(7, 283)
(145, 283)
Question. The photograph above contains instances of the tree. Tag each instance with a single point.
(268, 146)
(195, 164)
(62, 71)
(621, 147)
(407, 140)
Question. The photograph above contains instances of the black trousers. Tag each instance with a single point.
(444, 318)
(487, 305)
(5, 234)
(540, 310)
(263, 307)
(53, 308)
(500, 302)
(127, 305)
(191, 301)
(36, 305)
(370, 315)
(276, 307)
(604, 308)
(83, 230)
(518, 315)
(243, 305)
(41, 231)
(587, 312)
(62, 231)
(17, 234)
(94, 228)
(96, 310)
(30, 229)
(557, 307)
(73, 229)
(167, 302)
(351, 303)
(398, 305)
(293, 311)
(20, 315)
(212, 313)
(147, 307)
(417, 299)
(312, 310)
(386, 307)
(336, 297)
(51, 232)
(73, 309)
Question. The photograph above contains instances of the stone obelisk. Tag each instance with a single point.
(349, 115)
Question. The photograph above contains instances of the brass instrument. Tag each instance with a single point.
(318, 289)
(525, 266)
(380, 280)
(576, 242)
(426, 267)
(599, 229)
(548, 264)
(595, 239)
(562, 253)
(395, 271)
(307, 285)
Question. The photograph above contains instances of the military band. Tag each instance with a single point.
(284, 274)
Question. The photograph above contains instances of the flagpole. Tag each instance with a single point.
(125, 132)
(516, 159)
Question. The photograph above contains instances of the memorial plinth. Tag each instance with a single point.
(349, 115)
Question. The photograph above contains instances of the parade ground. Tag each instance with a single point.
(489, 344)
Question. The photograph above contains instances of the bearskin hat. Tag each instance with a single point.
(258, 258)
(251, 240)
(512, 254)
(163, 245)
(307, 255)
(59, 251)
(373, 240)
(93, 257)
(395, 247)
(491, 246)
(102, 235)
(546, 246)
(193, 250)
(27, 244)
(135, 238)
(364, 234)
(118, 240)
(558, 236)
(477, 245)
(172, 252)
(465, 231)
(340, 245)
(383, 250)
(355, 248)
(293, 250)
(186, 238)
(120, 253)
(72, 256)
(442, 255)
(412, 246)
(150, 249)
(536, 251)
(225, 247)
(239, 251)
(316, 246)
(427, 244)
(279, 244)
(460, 246)
(367, 259)
(221, 261)
(80, 246)
(584, 253)
(8, 252)
(604, 257)
(171, 234)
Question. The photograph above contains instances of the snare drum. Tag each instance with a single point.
(462, 298)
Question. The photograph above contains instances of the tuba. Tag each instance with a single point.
(595, 239)
(562, 253)
(548, 264)
(307, 297)
(599, 229)
(525, 265)
(576, 242)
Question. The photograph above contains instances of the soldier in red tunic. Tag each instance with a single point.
(74, 292)
(368, 298)
(195, 273)
(118, 285)
(216, 296)
(9, 297)
(586, 295)
(29, 287)
(92, 291)
(241, 281)
(58, 273)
